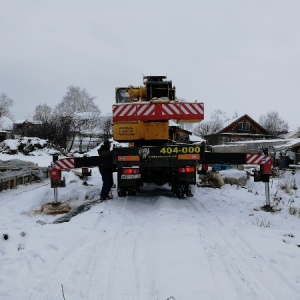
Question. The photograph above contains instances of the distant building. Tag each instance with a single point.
(242, 128)
(26, 127)
(6, 125)
(179, 134)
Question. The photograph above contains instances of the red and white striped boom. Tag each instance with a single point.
(145, 111)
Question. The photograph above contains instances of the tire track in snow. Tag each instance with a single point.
(122, 281)
(273, 274)
(106, 264)
(223, 280)
(49, 287)
(30, 188)
(96, 265)
(241, 272)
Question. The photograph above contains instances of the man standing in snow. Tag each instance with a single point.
(106, 169)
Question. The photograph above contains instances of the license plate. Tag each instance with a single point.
(134, 176)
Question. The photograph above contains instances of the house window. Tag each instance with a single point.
(244, 126)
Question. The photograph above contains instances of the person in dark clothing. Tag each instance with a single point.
(106, 169)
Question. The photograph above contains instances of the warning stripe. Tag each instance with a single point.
(150, 110)
(131, 112)
(145, 109)
(158, 111)
(140, 109)
(184, 110)
(126, 108)
(258, 159)
(200, 108)
(65, 163)
(117, 109)
(170, 109)
(176, 108)
(191, 108)
(166, 110)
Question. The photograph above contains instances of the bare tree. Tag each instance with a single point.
(59, 130)
(43, 113)
(75, 116)
(87, 126)
(106, 127)
(274, 124)
(75, 101)
(216, 122)
(5, 104)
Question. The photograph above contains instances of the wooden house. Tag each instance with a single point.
(243, 128)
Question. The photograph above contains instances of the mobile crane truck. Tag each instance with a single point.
(141, 118)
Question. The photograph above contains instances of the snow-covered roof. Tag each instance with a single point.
(277, 144)
(274, 141)
(27, 121)
(291, 135)
(195, 138)
(173, 124)
(229, 122)
(87, 114)
(288, 144)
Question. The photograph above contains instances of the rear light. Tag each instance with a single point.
(130, 171)
(186, 170)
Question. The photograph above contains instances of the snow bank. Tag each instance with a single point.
(24, 145)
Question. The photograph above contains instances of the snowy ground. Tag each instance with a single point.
(215, 245)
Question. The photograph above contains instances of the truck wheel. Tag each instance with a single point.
(180, 191)
(122, 193)
(132, 193)
(188, 191)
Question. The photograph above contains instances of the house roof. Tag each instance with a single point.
(236, 120)
(26, 121)
(173, 124)
(291, 134)
(255, 145)
(195, 138)
(288, 144)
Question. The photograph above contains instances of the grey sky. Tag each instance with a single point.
(237, 56)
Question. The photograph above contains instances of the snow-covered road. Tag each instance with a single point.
(215, 245)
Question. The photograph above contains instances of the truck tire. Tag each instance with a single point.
(180, 191)
(188, 191)
(122, 193)
(132, 193)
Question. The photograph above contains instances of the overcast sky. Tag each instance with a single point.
(237, 56)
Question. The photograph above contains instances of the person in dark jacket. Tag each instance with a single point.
(106, 169)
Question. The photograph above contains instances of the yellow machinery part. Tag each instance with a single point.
(126, 131)
(140, 130)
(156, 130)
(137, 93)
